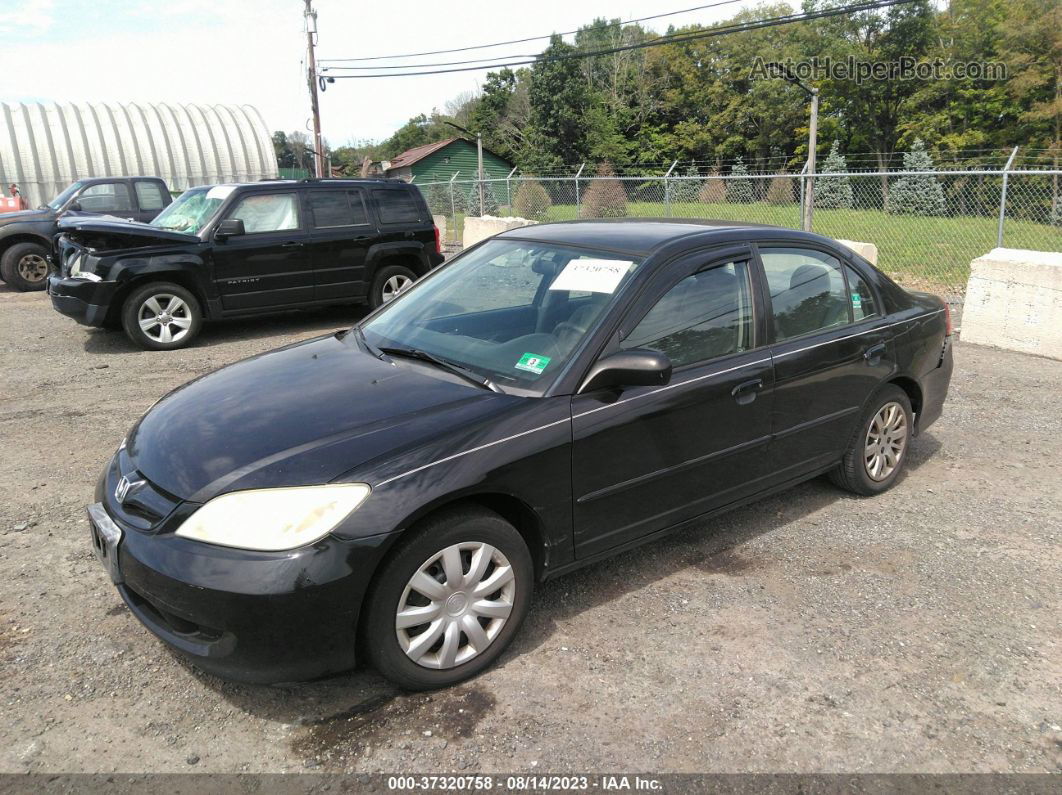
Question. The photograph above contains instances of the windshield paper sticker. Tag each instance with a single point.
(533, 363)
(591, 275)
(220, 192)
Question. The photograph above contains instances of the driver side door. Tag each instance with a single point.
(646, 458)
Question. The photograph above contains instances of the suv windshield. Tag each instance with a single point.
(193, 209)
(511, 310)
(58, 202)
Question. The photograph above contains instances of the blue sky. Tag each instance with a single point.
(251, 51)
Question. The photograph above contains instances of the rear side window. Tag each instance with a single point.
(149, 195)
(864, 304)
(333, 208)
(396, 206)
(807, 291)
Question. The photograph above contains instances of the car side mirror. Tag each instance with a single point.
(230, 227)
(74, 206)
(636, 367)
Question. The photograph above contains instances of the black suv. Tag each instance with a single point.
(235, 250)
(26, 236)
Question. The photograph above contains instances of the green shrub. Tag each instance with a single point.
(490, 201)
(834, 193)
(531, 200)
(688, 188)
(739, 191)
(919, 194)
(606, 196)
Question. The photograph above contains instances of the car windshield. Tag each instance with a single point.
(193, 209)
(512, 311)
(58, 202)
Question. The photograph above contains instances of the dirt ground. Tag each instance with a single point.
(917, 631)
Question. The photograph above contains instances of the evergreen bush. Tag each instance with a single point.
(739, 191)
(606, 197)
(531, 200)
(918, 194)
(834, 193)
(688, 188)
(490, 201)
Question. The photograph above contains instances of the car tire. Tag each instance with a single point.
(389, 282)
(878, 451)
(438, 651)
(25, 266)
(174, 309)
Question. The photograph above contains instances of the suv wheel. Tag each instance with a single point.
(448, 603)
(878, 451)
(161, 316)
(390, 282)
(25, 266)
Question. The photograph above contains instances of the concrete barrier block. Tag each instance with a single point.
(481, 228)
(1014, 301)
(867, 251)
(440, 222)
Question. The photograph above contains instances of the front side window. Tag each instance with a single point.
(396, 206)
(807, 291)
(58, 202)
(864, 304)
(149, 195)
(106, 197)
(511, 310)
(704, 316)
(268, 212)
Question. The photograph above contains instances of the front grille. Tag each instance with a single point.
(145, 506)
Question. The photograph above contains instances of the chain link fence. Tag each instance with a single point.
(927, 225)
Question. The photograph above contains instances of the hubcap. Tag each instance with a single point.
(455, 605)
(394, 286)
(886, 441)
(33, 267)
(165, 318)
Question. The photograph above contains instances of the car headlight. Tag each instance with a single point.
(79, 271)
(271, 520)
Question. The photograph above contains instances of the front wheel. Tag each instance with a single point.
(449, 602)
(24, 266)
(161, 316)
(878, 451)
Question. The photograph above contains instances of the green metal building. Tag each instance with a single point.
(438, 162)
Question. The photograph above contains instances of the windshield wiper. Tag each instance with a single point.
(368, 345)
(453, 367)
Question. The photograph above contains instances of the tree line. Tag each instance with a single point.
(700, 100)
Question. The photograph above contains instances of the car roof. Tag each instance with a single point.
(643, 235)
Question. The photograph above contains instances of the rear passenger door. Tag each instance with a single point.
(340, 236)
(831, 347)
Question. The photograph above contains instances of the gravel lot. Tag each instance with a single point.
(918, 631)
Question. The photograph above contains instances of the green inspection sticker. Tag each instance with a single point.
(857, 300)
(533, 363)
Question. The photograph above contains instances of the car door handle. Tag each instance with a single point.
(873, 354)
(746, 393)
(292, 244)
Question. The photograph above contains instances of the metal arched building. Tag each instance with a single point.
(46, 146)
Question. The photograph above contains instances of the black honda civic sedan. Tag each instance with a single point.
(552, 396)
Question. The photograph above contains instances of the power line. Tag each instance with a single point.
(522, 41)
(671, 39)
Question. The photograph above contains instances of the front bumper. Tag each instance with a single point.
(85, 301)
(258, 617)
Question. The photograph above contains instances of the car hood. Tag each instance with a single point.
(300, 415)
(107, 232)
(23, 216)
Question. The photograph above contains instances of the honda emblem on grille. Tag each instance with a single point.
(125, 485)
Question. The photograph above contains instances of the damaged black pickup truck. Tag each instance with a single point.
(227, 251)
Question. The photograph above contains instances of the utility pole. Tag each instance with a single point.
(311, 74)
(813, 136)
(479, 154)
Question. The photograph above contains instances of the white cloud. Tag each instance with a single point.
(27, 18)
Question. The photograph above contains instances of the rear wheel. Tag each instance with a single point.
(161, 316)
(25, 266)
(390, 282)
(878, 451)
(449, 602)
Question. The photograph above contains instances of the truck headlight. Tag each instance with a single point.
(271, 520)
(76, 268)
